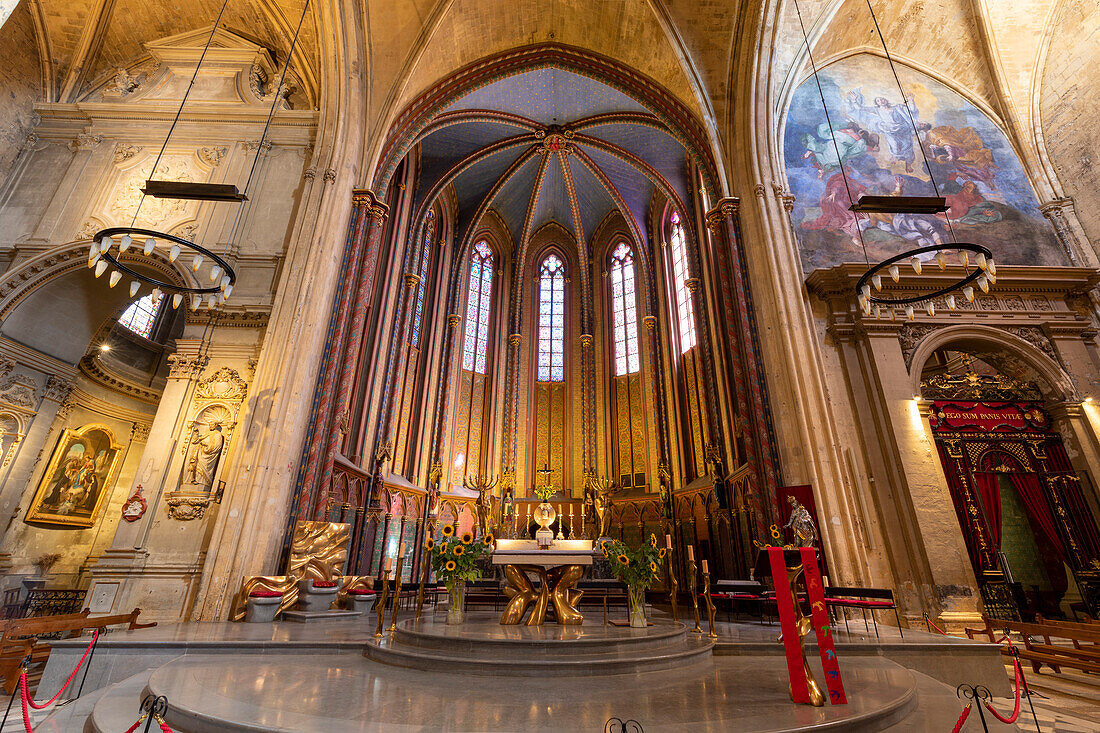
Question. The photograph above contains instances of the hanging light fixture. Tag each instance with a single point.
(222, 275)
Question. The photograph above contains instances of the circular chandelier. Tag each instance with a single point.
(984, 275)
(106, 254)
(101, 257)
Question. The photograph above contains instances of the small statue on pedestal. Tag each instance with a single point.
(601, 491)
(507, 514)
(801, 524)
(483, 505)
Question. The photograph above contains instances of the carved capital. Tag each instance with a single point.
(57, 388)
(330, 175)
(140, 432)
(586, 340)
(515, 339)
(650, 322)
(185, 366)
(411, 280)
(186, 507)
(453, 320)
(212, 155)
(692, 284)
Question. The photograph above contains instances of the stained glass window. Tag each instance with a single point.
(624, 311)
(142, 315)
(685, 312)
(552, 320)
(478, 298)
(425, 255)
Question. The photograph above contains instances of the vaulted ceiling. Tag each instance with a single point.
(84, 42)
(550, 145)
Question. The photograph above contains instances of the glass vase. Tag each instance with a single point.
(635, 597)
(456, 595)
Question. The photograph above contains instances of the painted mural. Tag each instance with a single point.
(991, 201)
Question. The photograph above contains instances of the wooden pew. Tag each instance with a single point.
(1082, 651)
(21, 637)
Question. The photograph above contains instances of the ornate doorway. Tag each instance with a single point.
(1027, 524)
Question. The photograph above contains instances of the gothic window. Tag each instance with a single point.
(478, 300)
(424, 253)
(142, 315)
(551, 320)
(624, 311)
(685, 312)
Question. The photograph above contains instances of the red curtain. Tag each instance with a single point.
(1027, 486)
(989, 491)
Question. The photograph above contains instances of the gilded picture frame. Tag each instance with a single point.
(80, 475)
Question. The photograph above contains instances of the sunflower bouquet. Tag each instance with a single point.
(776, 540)
(455, 557)
(635, 566)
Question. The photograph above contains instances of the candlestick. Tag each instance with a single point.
(571, 535)
(691, 553)
(705, 569)
(694, 594)
(710, 603)
(396, 592)
(668, 541)
(426, 563)
(673, 589)
(380, 606)
(401, 552)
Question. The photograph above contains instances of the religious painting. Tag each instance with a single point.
(871, 149)
(80, 475)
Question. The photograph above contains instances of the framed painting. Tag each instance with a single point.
(80, 475)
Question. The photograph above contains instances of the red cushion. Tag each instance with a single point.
(324, 584)
(361, 592)
(265, 594)
(743, 596)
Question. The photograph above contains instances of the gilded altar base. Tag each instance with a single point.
(558, 570)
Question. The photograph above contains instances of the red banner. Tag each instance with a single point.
(988, 416)
(815, 593)
(792, 645)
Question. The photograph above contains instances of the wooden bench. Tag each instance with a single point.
(21, 637)
(1082, 652)
(865, 599)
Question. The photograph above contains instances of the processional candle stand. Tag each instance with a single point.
(691, 586)
(673, 589)
(396, 589)
(709, 600)
(380, 608)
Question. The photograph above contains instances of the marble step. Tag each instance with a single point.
(119, 706)
(508, 661)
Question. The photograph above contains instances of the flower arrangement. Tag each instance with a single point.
(455, 558)
(545, 492)
(638, 566)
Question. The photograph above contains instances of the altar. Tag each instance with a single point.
(557, 568)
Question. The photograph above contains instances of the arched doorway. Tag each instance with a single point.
(1029, 528)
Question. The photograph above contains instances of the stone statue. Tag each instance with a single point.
(507, 513)
(801, 525)
(206, 449)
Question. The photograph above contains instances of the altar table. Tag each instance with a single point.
(559, 567)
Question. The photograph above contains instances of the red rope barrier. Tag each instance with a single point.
(134, 727)
(1015, 710)
(52, 700)
(962, 719)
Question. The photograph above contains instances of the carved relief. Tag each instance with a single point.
(58, 389)
(224, 384)
(19, 390)
(212, 155)
(910, 336)
(1013, 303)
(184, 366)
(124, 152)
(186, 508)
(155, 212)
(1040, 303)
(1034, 336)
(85, 141)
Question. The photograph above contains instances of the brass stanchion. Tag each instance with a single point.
(710, 601)
(380, 608)
(691, 586)
(673, 588)
(396, 589)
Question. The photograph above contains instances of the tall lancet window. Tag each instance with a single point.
(550, 438)
(624, 310)
(420, 264)
(480, 296)
(627, 411)
(685, 312)
(472, 416)
(552, 320)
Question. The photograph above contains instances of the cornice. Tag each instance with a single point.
(93, 368)
(841, 279)
(80, 398)
(36, 360)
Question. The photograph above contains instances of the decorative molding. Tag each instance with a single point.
(85, 141)
(1035, 336)
(124, 152)
(224, 385)
(186, 507)
(910, 336)
(185, 366)
(330, 175)
(92, 367)
(224, 318)
(140, 432)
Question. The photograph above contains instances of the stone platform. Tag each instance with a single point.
(482, 676)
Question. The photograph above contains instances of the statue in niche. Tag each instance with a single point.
(202, 461)
(507, 512)
(801, 524)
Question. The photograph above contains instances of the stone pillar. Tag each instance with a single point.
(1062, 215)
(118, 573)
(588, 404)
(660, 406)
(748, 374)
(395, 369)
(511, 405)
(443, 404)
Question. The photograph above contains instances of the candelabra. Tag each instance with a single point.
(483, 485)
